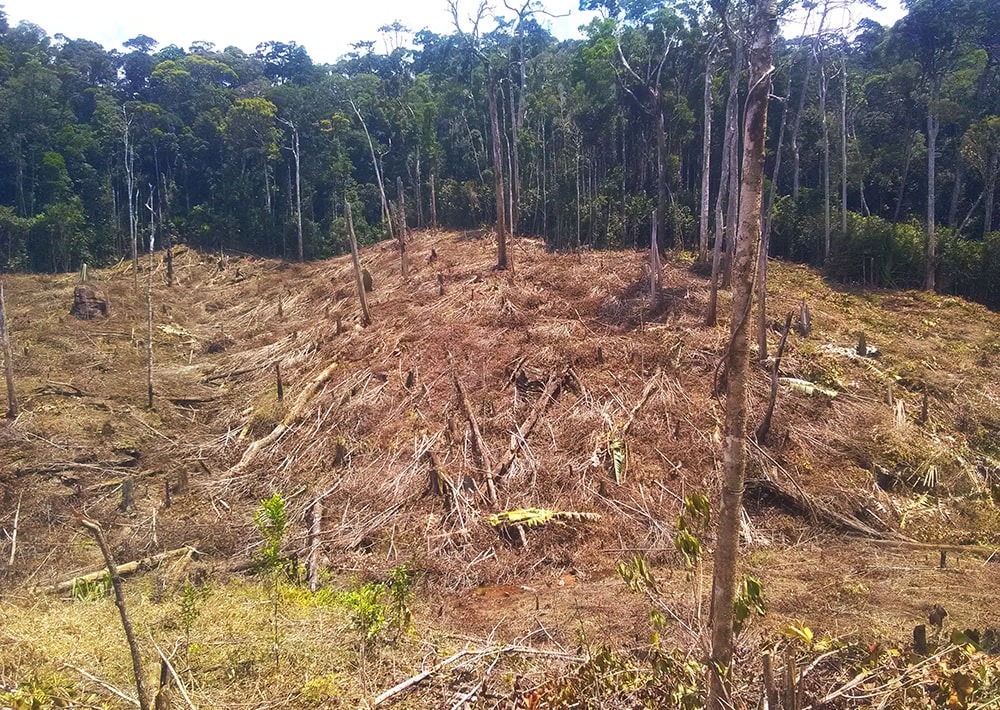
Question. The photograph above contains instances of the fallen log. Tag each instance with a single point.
(146, 563)
(528, 425)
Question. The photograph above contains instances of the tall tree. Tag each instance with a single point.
(736, 357)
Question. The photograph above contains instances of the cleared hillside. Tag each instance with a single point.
(584, 400)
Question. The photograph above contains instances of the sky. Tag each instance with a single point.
(325, 28)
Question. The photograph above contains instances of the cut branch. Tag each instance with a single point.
(116, 583)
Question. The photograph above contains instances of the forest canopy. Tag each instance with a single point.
(883, 142)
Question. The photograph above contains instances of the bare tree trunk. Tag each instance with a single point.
(655, 279)
(765, 240)
(725, 184)
(706, 162)
(932, 132)
(434, 206)
(8, 362)
(990, 192)
(401, 232)
(578, 223)
(378, 171)
(418, 190)
(298, 190)
(366, 317)
(149, 303)
(843, 149)
(502, 258)
(801, 108)
(133, 218)
(734, 444)
(826, 160)
(661, 165)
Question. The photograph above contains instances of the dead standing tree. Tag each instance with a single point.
(472, 39)
(8, 363)
(764, 27)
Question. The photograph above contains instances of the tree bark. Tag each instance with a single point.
(706, 162)
(8, 363)
(366, 317)
(734, 445)
(824, 122)
(116, 584)
(401, 232)
(434, 206)
(932, 131)
(843, 149)
(378, 172)
(502, 258)
(725, 184)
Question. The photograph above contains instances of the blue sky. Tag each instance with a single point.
(325, 28)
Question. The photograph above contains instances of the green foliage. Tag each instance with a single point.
(376, 607)
(189, 606)
(37, 693)
(697, 508)
(636, 575)
(271, 520)
(749, 602)
(86, 591)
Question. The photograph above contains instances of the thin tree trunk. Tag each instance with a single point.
(843, 149)
(932, 131)
(765, 240)
(149, 304)
(990, 192)
(418, 190)
(826, 160)
(725, 183)
(706, 162)
(366, 317)
(502, 258)
(8, 362)
(434, 206)
(378, 172)
(401, 232)
(298, 192)
(116, 584)
(734, 444)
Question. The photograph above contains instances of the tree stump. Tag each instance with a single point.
(88, 303)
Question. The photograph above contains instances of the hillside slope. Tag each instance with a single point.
(584, 401)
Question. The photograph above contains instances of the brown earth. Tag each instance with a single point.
(851, 502)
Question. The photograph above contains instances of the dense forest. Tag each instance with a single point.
(883, 143)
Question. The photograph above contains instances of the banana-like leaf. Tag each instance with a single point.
(533, 517)
(807, 387)
(618, 453)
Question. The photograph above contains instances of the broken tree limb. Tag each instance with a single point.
(123, 570)
(315, 531)
(296, 411)
(647, 392)
(528, 425)
(765, 425)
(13, 535)
(801, 504)
(366, 317)
(116, 583)
(478, 444)
(107, 686)
(418, 678)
